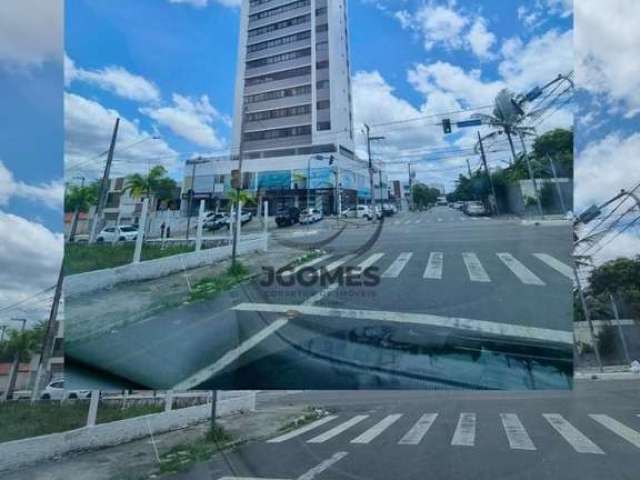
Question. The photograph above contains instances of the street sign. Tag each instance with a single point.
(476, 122)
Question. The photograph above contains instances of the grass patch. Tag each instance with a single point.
(311, 414)
(23, 420)
(79, 258)
(307, 257)
(182, 457)
(208, 288)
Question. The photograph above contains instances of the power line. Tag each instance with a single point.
(25, 300)
(434, 115)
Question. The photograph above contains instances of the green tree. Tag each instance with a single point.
(242, 195)
(557, 144)
(81, 197)
(24, 343)
(155, 183)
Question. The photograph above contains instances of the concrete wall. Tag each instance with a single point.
(19, 453)
(83, 283)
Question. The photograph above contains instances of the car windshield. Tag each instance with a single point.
(128, 229)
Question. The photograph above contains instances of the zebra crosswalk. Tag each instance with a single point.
(365, 429)
(433, 266)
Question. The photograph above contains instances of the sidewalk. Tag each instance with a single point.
(106, 310)
(137, 460)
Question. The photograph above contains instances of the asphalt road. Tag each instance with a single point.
(449, 301)
(592, 432)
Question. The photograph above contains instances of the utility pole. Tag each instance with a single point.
(104, 185)
(369, 139)
(2, 329)
(486, 168)
(531, 176)
(468, 168)
(380, 187)
(76, 212)
(410, 189)
(49, 340)
(558, 189)
(8, 395)
(587, 314)
(234, 247)
(193, 162)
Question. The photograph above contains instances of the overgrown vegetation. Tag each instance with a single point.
(182, 457)
(24, 420)
(311, 414)
(80, 258)
(208, 288)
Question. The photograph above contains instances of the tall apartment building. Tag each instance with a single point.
(292, 108)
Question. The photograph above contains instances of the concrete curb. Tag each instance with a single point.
(20, 453)
(83, 283)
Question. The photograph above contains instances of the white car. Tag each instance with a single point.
(361, 211)
(55, 391)
(310, 215)
(121, 233)
(476, 209)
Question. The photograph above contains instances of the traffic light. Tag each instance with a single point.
(235, 179)
(331, 159)
(446, 125)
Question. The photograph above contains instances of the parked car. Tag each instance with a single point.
(310, 215)
(476, 209)
(287, 216)
(361, 211)
(121, 233)
(55, 391)
(215, 221)
(388, 209)
(245, 216)
(458, 205)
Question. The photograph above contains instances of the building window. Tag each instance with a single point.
(290, 22)
(320, 84)
(322, 28)
(322, 45)
(278, 113)
(257, 3)
(324, 125)
(296, 37)
(272, 77)
(278, 10)
(322, 104)
(322, 64)
(278, 133)
(283, 57)
(276, 94)
(321, 11)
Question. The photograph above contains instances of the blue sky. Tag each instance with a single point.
(167, 67)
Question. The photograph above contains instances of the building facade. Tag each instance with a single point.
(292, 109)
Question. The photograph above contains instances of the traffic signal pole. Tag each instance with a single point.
(486, 169)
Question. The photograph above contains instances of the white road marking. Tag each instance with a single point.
(370, 261)
(419, 430)
(229, 357)
(408, 222)
(310, 263)
(250, 478)
(465, 434)
(337, 263)
(525, 275)
(556, 264)
(377, 429)
(618, 428)
(467, 324)
(434, 266)
(516, 434)
(337, 430)
(318, 469)
(299, 431)
(477, 273)
(418, 221)
(571, 434)
(396, 267)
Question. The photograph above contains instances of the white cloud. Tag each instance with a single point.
(538, 61)
(480, 39)
(439, 25)
(30, 32)
(604, 167)
(88, 129)
(190, 119)
(50, 194)
(30, 256)
(605, 38)
(204, 3)
(114, 79)
(626, 244)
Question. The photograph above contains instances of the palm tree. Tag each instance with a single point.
(140, 186)
(79, 198)
(506, 118)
